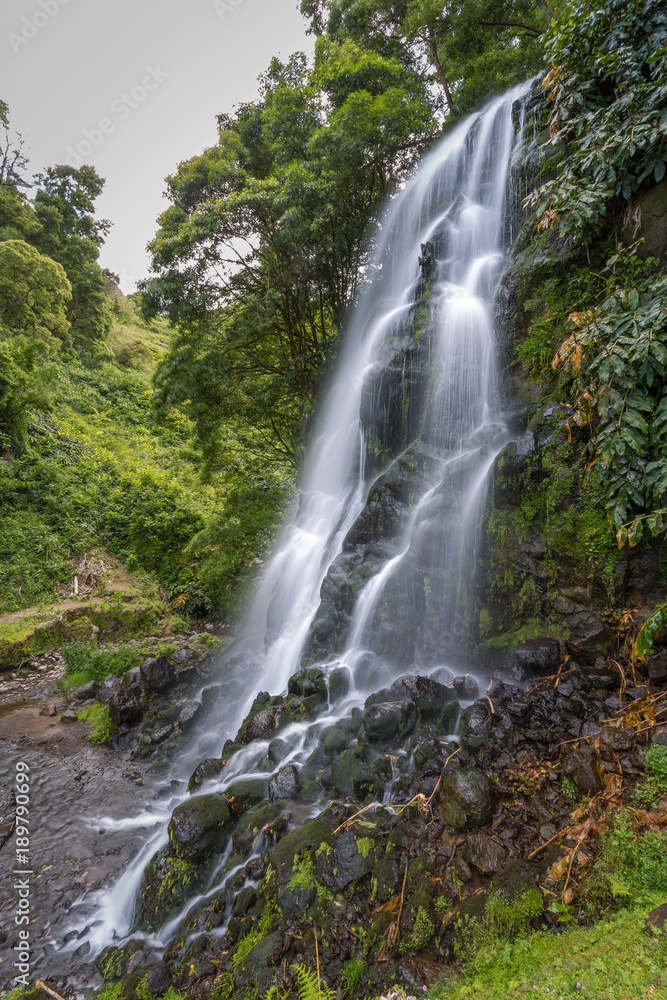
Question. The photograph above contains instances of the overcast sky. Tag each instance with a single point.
(133, 87)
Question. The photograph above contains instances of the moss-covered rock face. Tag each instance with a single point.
(200, 826)
(168, 881)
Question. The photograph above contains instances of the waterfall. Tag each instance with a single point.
(408, 434)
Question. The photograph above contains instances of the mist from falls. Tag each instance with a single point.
(413, 412)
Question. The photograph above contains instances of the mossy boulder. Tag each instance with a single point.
(344, 859)
(201, 826)
(208, 768)
(282, 856)
(265, 818)
(168, 881)
(244, 794)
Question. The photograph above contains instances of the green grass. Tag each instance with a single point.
(100, 722)
(615, 960)
(85, 662)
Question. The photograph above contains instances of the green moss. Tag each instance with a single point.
(422, 932)
(365, 845)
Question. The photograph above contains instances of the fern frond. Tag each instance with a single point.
(308, 987)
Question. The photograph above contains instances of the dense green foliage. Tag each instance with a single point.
(262, 251)
(618, 360)
(607, 92)
(467, 51)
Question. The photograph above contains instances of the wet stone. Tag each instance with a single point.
(466, 687)
(578, 766)
(484, 853)
(85, 691)
(245, 794)
(208, 768)
(278, 750)
(157, 673)
(387, 723)
(618, 739)
(345, 862)
(182, 655)
(129, 699)
(466, 799)
(339, 683)
(307, 683)
(264, 819)
(286, 784)
(334, 740)
(538, 657)
(159, 978)
(200, 826)
(162, 734)
(188, 712)
(264, 724)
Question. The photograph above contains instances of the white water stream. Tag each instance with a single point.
(456, 202)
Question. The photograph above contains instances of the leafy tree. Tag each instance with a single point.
(34, 292)
(69, 233)
(260, 254)
(473, 49)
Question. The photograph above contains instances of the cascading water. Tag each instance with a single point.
(374, 578)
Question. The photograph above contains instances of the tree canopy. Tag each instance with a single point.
(261, 252)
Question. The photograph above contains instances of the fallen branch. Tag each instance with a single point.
(47, 989)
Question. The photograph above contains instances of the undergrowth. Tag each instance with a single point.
(86, 662)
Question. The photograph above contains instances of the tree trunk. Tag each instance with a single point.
(441, 73)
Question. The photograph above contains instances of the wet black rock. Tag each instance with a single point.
(352, 774)
(466, 687)
(129, 699)
(278, 750)
(245, 794)
(515, 880)
(157, 673)
(579, 767)
(85, 691)
(200, 826)
(188, 712)
(343, 859)
(106, 691)
(466, 799)
(388, 723)
(264, 724)
(538, 657)
(159, 979)
(484, 853)
(205, 769)
(286, 784)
